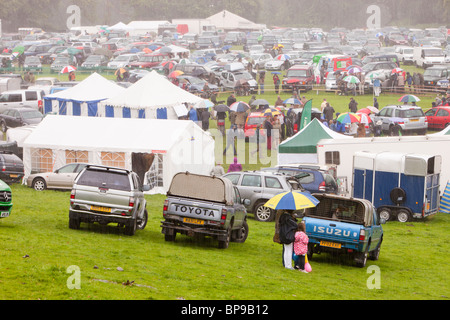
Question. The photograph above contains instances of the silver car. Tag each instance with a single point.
(259, 187)
(108, 195)
(61, 178)
(403, 118)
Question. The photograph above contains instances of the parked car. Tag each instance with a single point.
(438, 118)
(301, 76)
(260, 59)
(17, 117)
(195, 84)
(32, 63)
(6, 204)
(122, 60)
(259, 187)
(148, 61)
(12, 167)
(311, 178)
(108, 195)
(254, 119)
(204, 205)
(94, 61)
(344, 225)
(402, 118)
(38, 49)
(61, 178)
(20, 98)
(277, 64)
(60, 62)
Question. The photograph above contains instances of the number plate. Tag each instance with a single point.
(330, 244)
(4, 214)
(101, 209)
(194, 221)
(13, 175)
(413, 120)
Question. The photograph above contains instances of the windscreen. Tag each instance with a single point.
(105, 179)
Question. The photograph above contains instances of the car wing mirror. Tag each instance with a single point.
(145, 187)
(245, 202)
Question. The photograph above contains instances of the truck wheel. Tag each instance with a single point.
(375, 254)
(361, 258)
(223, 244)
(74, 222)
(142, 222)
(130, 228)
(403, 216)
(262, 213)
(385, 213)
(241, 234)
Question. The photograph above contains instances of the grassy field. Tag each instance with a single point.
(38, 248)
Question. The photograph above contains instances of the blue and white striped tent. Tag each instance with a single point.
(82, 99)
(445, 200)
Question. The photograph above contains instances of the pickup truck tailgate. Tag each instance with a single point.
(193, 209)
(332, 233)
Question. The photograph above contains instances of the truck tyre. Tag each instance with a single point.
(74, 221)
(361, 258)
(142, 222)
(384, 213)
(130, 228)
(241, 234)
(223, 244)
(375, 254)
(403, 215)
(262, 213)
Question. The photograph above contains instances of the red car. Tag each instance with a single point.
(438, 118)
(148, 61)
(254, 120)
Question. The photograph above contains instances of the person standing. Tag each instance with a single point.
(376, 87)
(276, 82)
(328, 112)
(268, 126)
(218, 170)
(300, 246)
(235, 166)
(221, 121)
(205, 115)
(285, 228)
(353, 105)
(261, 79)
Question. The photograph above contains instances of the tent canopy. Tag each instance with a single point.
(153, 90)
(95, 133)
(93, 88)
(305, 141)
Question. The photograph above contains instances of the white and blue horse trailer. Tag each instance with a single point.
(401, 185)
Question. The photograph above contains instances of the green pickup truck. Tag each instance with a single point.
(5, 200)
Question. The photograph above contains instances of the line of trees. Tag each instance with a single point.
(51, 15)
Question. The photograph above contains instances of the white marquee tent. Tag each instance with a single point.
(83, 98)
(155, 149)
(152, 97)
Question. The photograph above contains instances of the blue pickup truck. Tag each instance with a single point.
(344, 225)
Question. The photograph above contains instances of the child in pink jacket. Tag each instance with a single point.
(300, 246)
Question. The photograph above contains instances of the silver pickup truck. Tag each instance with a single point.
(204, 205)
(108, 195)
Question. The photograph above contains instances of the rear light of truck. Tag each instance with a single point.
(131, 204)
(165, 207)
(41, 106)
(322, 186)
(362, 235)
(72, 196)
(223, 216)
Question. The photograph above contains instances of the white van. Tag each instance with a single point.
(20, 98)
(427, 56)
(405, 54)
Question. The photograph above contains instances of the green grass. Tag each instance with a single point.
(38, 247)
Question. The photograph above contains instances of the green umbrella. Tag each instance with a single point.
(19, 49)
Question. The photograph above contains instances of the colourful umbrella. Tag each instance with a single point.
(292, 101)
(368, 109)
(351, 79)
(364, 118)
(293, 200)
(271, 112)
(409, 98)
(282, 57)
(68, 69)
(239, 106)
(396, 70)
(168, 64)
(348, 117)
(19, 49)
(175, 73)
(354, 69)
(120, 71)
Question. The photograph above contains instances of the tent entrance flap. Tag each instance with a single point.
(141, 163)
